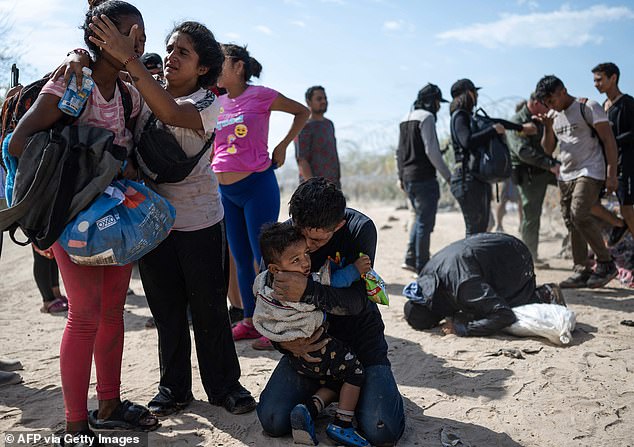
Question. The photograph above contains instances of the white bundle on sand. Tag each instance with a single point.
(550, 321)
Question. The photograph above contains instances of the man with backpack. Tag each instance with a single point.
(582, 129)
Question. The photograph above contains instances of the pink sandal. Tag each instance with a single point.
(56, 306)
(244, 331)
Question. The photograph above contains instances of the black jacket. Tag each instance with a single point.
(352, 317)
(411, 159)
(621, 116)
(482, 276)
(467, 135)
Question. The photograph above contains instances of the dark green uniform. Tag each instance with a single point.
(531, 175)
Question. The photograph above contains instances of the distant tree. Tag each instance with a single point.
(8, 53)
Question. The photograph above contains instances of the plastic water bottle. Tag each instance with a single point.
(75, 98)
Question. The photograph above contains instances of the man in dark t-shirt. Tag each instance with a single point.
(620, 109)
(316, 145)
(318, 208)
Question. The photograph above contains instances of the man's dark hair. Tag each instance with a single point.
(547, 86)
(313, 89)
(277, 237)
(317, 203)
(609, 69)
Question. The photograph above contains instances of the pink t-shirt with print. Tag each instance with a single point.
(242, 131)
(101, 113)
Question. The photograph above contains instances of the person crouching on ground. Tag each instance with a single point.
(284, 249)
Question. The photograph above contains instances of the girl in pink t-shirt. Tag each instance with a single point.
(248, 187)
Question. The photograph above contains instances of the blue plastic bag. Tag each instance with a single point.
(11, 164)
(126, 222)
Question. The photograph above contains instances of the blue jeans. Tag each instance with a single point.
(424, 196)
(379, 412)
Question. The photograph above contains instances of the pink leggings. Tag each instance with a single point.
(96, 296)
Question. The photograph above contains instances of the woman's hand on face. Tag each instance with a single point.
(279, 155)
(108, 37)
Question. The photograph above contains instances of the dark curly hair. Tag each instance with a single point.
(277, 237)
(251, 66)
(547, 86)
(209, 51)
(114, 9)
(317, 203)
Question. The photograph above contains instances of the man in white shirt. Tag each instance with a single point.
(582, 129)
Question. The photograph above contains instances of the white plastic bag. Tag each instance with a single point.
(550, 321)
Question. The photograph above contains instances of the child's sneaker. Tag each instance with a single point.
(303, 426)
(346, 436)
(244, 331)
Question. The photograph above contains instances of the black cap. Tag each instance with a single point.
(430, 91)
(461, 86)
(152, 60)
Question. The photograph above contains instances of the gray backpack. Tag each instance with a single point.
(61, 171)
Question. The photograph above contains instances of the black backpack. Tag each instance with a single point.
(61, 171)
(490, 163)
(161, 157)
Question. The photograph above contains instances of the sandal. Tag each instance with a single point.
(243, 331)
(237, 401)
(346, 436)
(164, 403)
(55, 306)
(126, 416)
(303, 426)
(262, 344)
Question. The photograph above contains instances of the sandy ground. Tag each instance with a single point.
(579, 395)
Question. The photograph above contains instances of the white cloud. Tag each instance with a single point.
(298, 23)
(393, 25)
(532, 4)
(565, 27)
(339, 2)
(232, 35)
(264, 29)
(398, 25)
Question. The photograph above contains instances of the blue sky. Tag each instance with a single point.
(373, 55)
